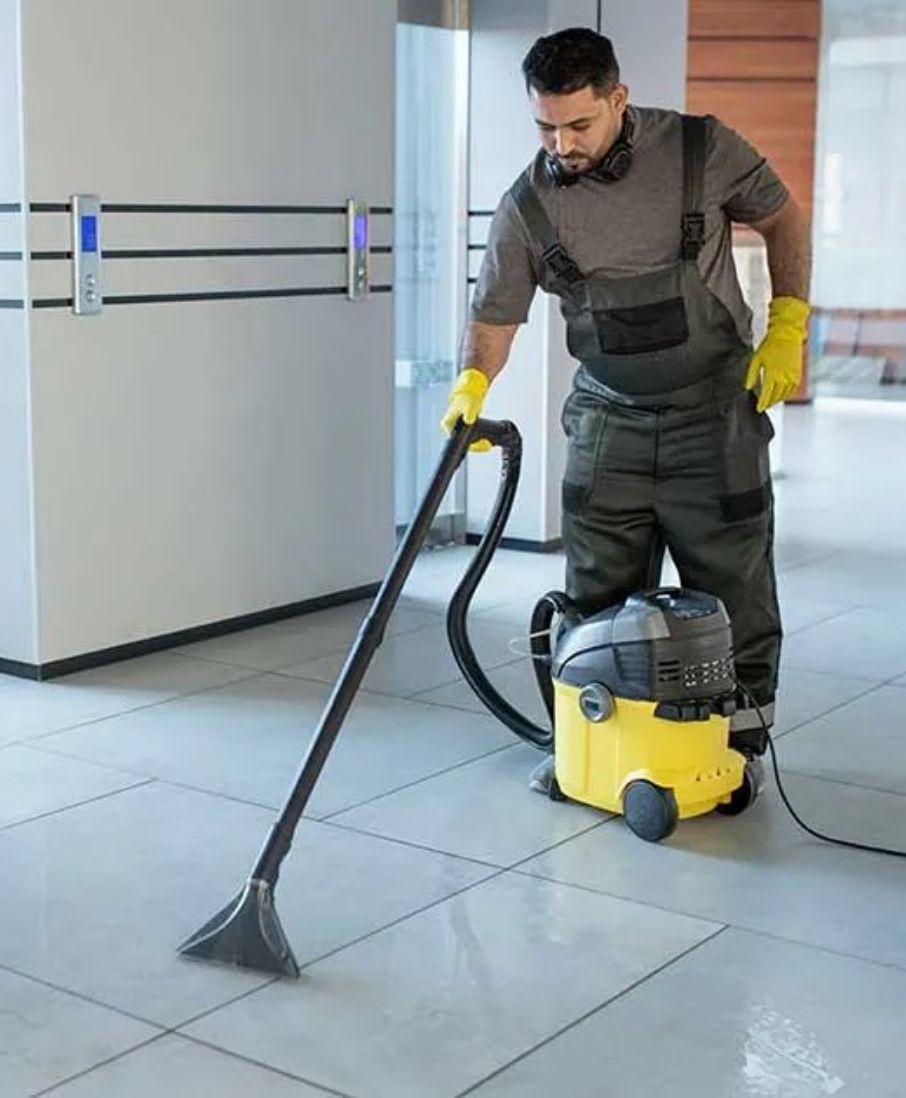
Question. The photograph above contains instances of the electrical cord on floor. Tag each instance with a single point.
(792, 811)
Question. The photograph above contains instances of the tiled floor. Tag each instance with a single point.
(458, 934)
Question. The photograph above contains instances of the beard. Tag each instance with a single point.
(576, 165)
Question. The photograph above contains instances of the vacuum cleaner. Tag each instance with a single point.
(640, 695)
(639, 698)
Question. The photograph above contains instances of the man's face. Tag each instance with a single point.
(579, 127)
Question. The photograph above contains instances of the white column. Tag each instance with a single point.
(17, 581)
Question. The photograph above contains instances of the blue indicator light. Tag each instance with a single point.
(89, 232)
(360, 231)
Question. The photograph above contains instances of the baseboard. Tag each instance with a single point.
(522, 545)
(54, 669)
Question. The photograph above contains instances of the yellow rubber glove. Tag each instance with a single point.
(778, 358)
(466, 398)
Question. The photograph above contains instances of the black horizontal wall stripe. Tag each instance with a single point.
(11, 303)
(481, 213)
(10, 207)
(194, 208)
(207, 295)
(209, 253)
(10, 257)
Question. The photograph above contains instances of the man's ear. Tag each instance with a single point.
(619, 97)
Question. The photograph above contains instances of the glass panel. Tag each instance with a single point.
(859, 288)
(430, 228)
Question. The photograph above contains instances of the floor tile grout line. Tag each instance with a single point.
(787, 668)
(330, 816)
(826, 713)
(324, 1088)
(83, 997)
(362, 938)
(231, 798)
(805, 563)
(149, 779)
(306, 659)
(412, 697)
(264, 982)
(748, 929)
(78, 804)
(459, 680)
(514, 867)
(56, 753)
(833, 709)
(622, 994)
(100, 1065)
(29, 740)
(811, 776)
(817, 622)
(888, 966)
(425, 849)
(402, 919)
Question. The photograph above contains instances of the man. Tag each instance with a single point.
(625, 214)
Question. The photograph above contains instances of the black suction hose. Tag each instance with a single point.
(510, 442)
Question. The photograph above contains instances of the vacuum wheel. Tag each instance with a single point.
(748, 793)
(650, 811)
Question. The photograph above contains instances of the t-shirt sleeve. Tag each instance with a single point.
(746, 185)
(509, 271)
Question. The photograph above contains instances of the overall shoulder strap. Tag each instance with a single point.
(542, 233)
(694, 135)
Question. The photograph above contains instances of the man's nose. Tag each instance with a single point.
(563, 143)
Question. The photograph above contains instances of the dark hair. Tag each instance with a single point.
(569, 61)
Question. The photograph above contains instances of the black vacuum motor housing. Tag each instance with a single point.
(670, 645)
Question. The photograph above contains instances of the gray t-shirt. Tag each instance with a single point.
(633, 225)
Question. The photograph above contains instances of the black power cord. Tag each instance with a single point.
(789, 807)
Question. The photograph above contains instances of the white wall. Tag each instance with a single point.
(650, 41)
(17, 605)
(197, 461)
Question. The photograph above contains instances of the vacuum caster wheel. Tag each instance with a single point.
(748, 793)
(650, 811)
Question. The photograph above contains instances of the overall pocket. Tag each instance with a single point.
(635, 329)
(743, 440)
(583, 419)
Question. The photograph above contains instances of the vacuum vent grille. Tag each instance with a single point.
(633, 661)
(710, 673)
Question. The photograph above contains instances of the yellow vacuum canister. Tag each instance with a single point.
(643, 693)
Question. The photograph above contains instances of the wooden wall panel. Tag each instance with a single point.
(777, 117)
(754, 64)
(753, 59)
(751, 18)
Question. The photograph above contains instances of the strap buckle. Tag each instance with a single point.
(693, 234)
(562, 266)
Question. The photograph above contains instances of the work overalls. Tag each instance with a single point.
(665, 446)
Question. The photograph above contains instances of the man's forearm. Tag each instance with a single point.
(486, 347)
(788, 239)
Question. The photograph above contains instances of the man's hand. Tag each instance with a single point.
(777, 361)
(465, 403)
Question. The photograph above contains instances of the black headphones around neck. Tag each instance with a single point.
(612, 166)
